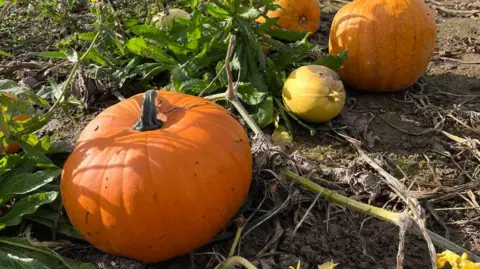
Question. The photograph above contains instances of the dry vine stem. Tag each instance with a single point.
(413, 205)
(231, 96)
(392, 217)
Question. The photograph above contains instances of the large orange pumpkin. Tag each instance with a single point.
(296, 15)
(14, 146)
(389, 42)
(152, 186)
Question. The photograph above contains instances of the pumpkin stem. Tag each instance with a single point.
(240, 222)
(302, 20)
(148, 120)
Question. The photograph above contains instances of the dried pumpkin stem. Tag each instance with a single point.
(231, 94)
(392, 217)
(148, 120)
(240, 222)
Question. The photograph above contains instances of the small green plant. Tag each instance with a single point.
(29, 189)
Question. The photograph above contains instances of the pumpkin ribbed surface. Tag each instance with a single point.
(389, 42)
(296, 15)
(154, 195)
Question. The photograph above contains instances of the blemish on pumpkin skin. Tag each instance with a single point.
(161, 237)
(96, 128)
(233, 189)
(106, 179)
(196, 162)
(204, 217)
(154, 196)
(89, 234)
(150, 246)
(86, 217)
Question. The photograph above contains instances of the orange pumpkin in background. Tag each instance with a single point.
(390, 43)
(296, 15)
(13, 147)
(154, 185)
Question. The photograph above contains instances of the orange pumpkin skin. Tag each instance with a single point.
(154, 195)
(14, 146)
(296, 15)
(390, 43)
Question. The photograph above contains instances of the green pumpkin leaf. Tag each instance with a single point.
(123, 74)
(87, 36)
(267, 25)
(72, 56)
(194, 30)
(333, 61)
(216, 11)
(97, 58)
(223, 76)
(284, 109)
(274, 79)
(12, 87)
(35, 154)
(18, 253)
(51, 54)
(193, 86)
(152, 72)
(300, 50)
(8, 162)
(250, 94)
(141, 47)
(7, 84)
(24, 183)
(6, 54)
(160, 37)
(131, 22)
(249, 13)
(289, 36)
(63, 228)
(25, 206)
(265, 114)
(48, 218)
(195, 3)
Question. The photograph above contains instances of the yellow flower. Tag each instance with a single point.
(328, 265)
(455, 261)
(298, 266)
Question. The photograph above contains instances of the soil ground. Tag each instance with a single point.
(402, 129)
